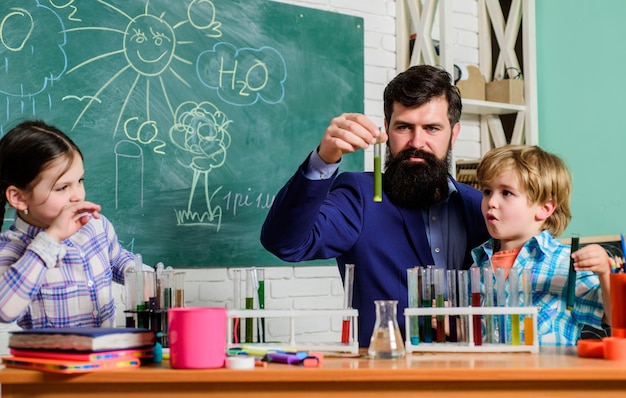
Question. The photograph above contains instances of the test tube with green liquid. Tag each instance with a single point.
(427, 301)
(571, 278)
(452, 302)
(514, 301)
(378, 177)
(250, 291)
(438, 276)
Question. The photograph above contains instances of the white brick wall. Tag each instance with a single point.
(320, 286)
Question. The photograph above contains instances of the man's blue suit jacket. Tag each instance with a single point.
(337, 218)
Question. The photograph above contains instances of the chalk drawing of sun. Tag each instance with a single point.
(149, 44)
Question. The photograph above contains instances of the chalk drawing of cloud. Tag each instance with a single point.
(32, 37)
(243, 76)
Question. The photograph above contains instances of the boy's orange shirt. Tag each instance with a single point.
(505, 259)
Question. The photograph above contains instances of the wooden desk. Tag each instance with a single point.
(550, 373)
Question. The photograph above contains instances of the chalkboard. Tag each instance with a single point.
(191, 114)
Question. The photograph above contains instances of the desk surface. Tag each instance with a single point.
(551, 372)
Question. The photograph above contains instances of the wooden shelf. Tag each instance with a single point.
(477, 107)
(495, 32)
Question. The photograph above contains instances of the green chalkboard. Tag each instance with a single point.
(191, 114)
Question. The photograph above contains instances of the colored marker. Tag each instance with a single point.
(623, 251)
(278, 357)
(571, 279)
(378, 177)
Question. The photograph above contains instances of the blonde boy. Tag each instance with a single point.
(525, 204)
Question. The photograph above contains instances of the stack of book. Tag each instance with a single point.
(79, 350)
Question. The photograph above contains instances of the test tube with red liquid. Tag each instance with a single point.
(348, 283)
(475, 280)
(452, 302)
(438, 277)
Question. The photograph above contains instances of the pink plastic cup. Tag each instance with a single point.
(197, 337)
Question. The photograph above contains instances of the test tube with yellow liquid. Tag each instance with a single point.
(514, 302)
(527, 294)
(179, 289)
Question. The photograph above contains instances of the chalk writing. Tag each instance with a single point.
(243, 76)
(238, 200)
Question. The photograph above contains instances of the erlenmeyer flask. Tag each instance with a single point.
(386, 341)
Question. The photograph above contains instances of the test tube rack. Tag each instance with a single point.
(469, 346)
(351, 347)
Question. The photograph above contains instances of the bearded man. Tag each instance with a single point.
(425, 217)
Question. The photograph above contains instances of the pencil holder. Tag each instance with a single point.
(197, 337)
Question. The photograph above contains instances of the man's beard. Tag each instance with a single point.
(416, 184)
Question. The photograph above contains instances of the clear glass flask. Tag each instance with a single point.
(386, 341)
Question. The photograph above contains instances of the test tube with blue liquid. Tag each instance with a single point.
(131, 299)
(452, 302)
(164, 299)
(414, 281)
(501, 296)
